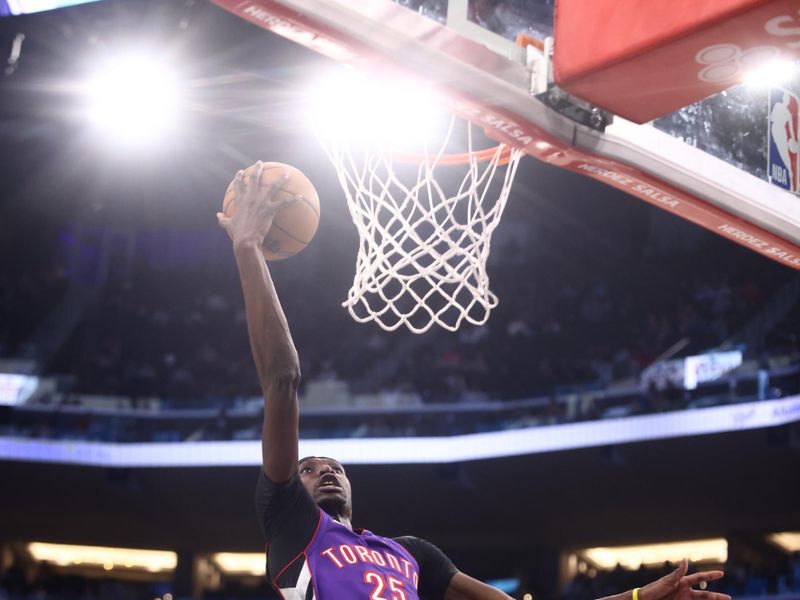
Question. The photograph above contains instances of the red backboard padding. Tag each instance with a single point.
(642, 59)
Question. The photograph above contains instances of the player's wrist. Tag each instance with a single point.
(246, 243)
(246, 247)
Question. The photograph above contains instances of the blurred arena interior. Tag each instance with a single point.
(636, 391)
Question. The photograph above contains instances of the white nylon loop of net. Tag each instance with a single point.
(423, 248)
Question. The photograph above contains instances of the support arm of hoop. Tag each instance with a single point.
(683, 202)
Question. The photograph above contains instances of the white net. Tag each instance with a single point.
(424, 232)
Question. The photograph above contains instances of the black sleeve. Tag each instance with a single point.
(435, 569)
(288, 517)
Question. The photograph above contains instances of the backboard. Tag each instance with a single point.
(706, 163)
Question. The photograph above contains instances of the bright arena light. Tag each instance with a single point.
(133, 97)
(250, 563)
(155, 561)
(631, 557)
(788, 540)
(396, 112)
(774, 72)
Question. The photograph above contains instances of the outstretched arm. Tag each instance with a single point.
(270, 340)
(464, 587)
(675, 586)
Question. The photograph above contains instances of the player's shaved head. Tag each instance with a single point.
(305, 458)
(328, 458)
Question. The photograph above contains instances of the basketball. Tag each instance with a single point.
(296, 223)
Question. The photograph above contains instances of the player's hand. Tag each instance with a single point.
(678, 586)
(256, 206)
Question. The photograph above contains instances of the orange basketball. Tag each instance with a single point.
(296, 223)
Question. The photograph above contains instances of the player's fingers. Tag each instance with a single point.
(674, 578)
(238, 185)
(224, 222)
(697, 578)
(701, 595)
(284, 200)
(276, 185)
(255, 176)
(683, 568)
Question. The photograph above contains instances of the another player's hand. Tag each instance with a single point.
(678, 586)
(255, 207)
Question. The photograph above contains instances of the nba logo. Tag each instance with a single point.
(782, 163)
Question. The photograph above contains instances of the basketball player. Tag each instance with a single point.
(305, 506)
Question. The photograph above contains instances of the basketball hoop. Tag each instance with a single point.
(424, 228)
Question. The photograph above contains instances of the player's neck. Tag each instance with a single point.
(338, 511)
(344, 521)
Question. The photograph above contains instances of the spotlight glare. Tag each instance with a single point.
(771, 73)
(133, 98)
(395, 112)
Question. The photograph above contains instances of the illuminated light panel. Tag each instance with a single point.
(417, 450)
(251, 563)
(16, 389)
(134, 97)
(788, 540)
(774, 72)
(155, 561)
(632, 557)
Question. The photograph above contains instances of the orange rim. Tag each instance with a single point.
(464, 158)
(523, 39)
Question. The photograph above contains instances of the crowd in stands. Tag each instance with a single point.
(158, 333)
(529, 346)
(785, 336)
(25, 298)
(178, 331)
(166, 321)
(32, 282)
(74, 417)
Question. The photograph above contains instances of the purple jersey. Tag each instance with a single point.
(355, 565)
(311, 556)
